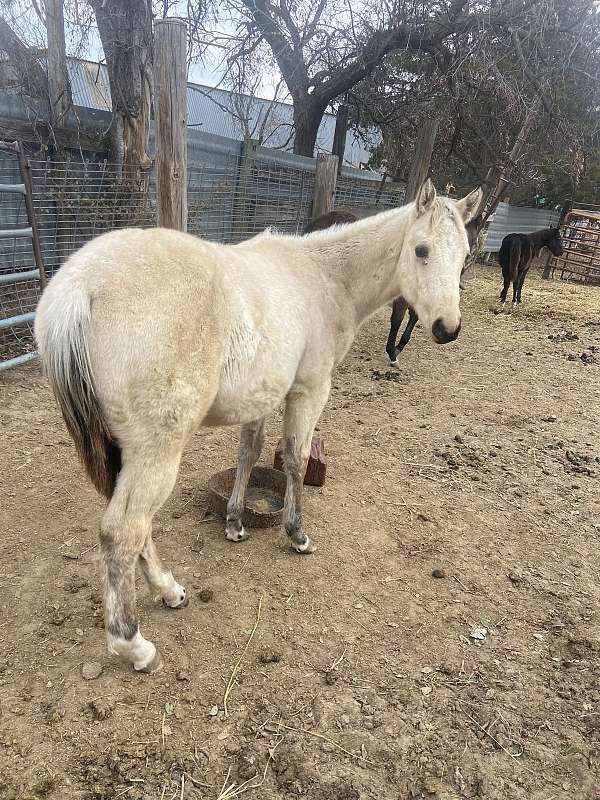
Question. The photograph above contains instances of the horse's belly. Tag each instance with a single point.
(248, 394)
(242, 407)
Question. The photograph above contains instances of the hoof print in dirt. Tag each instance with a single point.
(91, 670)
(101, 708)
(389, 375)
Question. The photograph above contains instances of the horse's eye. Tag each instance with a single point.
(421, 251)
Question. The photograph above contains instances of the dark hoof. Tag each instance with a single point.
(155, 665)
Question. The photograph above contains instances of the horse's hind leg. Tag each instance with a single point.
(159, 579)
(144, 483)
(504, 292)
(251, 441)
(520, 286)
(302, 410)
(515, 285)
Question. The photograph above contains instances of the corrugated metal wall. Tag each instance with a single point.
(219, 112)
(516, 219)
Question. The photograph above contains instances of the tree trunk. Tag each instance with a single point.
(339, 136)
(125, 28)
(421, 158)
(58, 79)
(307, 118)
(505, 176)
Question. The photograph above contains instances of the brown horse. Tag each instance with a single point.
(399, 306)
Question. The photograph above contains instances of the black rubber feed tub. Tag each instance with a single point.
(263, 504)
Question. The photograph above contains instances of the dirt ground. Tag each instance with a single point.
(366, 677)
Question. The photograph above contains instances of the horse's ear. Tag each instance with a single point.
(468, 206)
(425, 197)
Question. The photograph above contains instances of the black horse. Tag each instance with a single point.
(517, 252)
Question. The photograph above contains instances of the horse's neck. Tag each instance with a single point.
(538, 239)
(362, 259)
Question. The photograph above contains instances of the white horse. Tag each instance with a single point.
(148, 334)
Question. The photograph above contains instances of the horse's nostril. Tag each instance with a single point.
(441, 334)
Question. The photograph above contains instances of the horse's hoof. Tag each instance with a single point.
(306, 548)
(236, 536)
(182, 603)
(155, 665)
(395, 364)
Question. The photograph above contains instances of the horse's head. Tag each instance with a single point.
(554, 242)
(433, 257)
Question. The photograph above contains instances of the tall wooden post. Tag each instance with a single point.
(506, 173)
(170, 105)
(58, 79)
(325, 181)
(421, 158)
(340, 133)
(243, 207)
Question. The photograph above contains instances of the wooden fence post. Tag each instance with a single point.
(243, 209)
(170, 106)
(325, 182)
(340, 133)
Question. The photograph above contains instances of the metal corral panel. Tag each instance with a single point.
(516, 219)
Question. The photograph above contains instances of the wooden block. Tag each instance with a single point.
(317, 462)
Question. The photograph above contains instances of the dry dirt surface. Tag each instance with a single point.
(367, 676)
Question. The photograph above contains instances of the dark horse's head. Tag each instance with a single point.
(553, 241)
(472, 229)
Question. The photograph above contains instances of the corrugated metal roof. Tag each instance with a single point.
(220, 112)
(516, 219)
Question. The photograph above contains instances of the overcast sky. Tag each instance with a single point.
(31, 29)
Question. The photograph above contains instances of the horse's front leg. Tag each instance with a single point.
(302, 410)
(251, 441)
(405, 338)
(398, 311)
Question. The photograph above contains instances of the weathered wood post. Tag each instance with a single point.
(243, 209)
(170, 104)
(325, 182)
(421, 158)
(340, 133)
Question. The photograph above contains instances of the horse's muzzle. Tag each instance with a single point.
(441, 334)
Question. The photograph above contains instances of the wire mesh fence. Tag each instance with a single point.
(360, 193)
(241, 197)
(231, 197)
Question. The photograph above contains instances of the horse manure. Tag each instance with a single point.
(206, 595)
(269, 656)
(438, 573)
